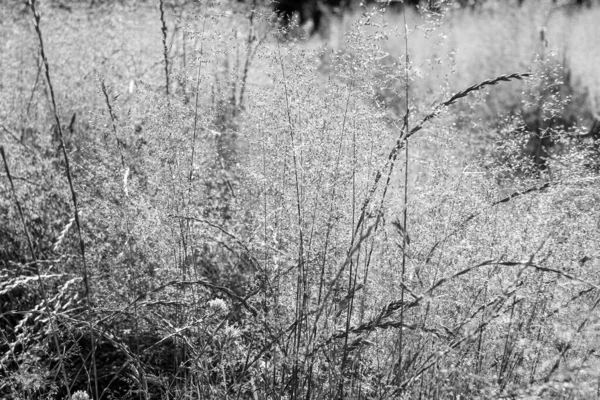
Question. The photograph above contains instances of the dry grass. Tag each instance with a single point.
(251, 245)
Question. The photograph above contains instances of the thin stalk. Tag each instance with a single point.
(164, 41)
(113, 119)
(353, 282)
(249, 41)
(300, 277)
(37, 271)
(507, 351)
(184, 62)
(195, 130)
(38, 30)
(479, 356)
(329, 227)
(351, 287)
(266, 254)
(37, 79)
(405, 211)
(368, 254)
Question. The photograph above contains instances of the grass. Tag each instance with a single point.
(343, 216)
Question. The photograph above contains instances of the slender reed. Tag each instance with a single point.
(301, 277)
(37, 18)
(195, 129)
(113, 120)
(249, 55)
(405, 205)
(351, 287)
(164, 41)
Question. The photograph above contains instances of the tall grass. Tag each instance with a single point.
(317, 223)
(42, 288)
(59, 129)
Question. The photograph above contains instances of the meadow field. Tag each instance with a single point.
(199, 203)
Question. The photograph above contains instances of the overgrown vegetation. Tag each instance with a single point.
(199, 205)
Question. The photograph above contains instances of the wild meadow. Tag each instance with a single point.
(200, 202)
